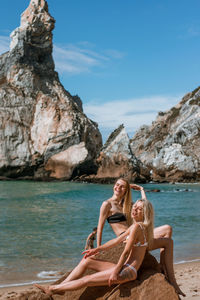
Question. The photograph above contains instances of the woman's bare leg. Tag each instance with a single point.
(88, 263)
(167, 245)
(164, 231)
(97, 279)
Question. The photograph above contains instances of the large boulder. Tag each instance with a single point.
(150, 284)
(169, 148)
(43, 130)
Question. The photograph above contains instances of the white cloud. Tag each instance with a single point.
(73, 60)
(131, 112)
(78, 59)
(4, 43)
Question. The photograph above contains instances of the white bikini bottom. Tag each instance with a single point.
(128, 272)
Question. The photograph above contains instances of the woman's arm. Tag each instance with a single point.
(104, 211)
(107, 245)
(139, 188)
(134, 229)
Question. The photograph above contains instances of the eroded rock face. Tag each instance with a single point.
(43, 130)
(170, 146)
(117, 160)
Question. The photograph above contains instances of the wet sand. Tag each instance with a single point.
(187, 275)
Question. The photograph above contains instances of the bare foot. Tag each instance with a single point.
(48, 291)
(176, 287)
(45, 290)
(178, 290)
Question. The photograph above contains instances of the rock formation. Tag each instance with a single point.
(43, 130)
(169, 148)
(150, 284)
(117, 160)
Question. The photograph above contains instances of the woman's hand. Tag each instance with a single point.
(113, 277)
(90, 252)
(136, 187)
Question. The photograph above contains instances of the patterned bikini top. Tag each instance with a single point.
(145, 244)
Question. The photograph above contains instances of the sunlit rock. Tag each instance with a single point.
(41, 124)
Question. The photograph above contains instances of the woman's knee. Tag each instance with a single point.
(167, 230)
(88, 262)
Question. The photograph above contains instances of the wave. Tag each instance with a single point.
(49, 274)
(25, 283)
(186, 261)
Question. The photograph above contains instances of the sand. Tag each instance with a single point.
(188, 278)
(187, 275)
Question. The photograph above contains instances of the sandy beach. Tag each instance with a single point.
(187, 274)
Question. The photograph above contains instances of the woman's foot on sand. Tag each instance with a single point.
(47, 290)
(44, 289)
(178, 290)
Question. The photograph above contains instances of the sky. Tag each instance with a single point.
(126, 59)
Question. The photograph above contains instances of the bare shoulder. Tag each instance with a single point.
(135, 228)
(106, 206)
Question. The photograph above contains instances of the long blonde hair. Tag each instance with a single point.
(148, 221)
(127, 201)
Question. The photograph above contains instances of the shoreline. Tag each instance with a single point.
(187, 275)
(53, 279)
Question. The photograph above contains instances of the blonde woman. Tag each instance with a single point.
(139, 235)
(116, 210)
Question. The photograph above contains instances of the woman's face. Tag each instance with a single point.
(137, 212)
(120, 188)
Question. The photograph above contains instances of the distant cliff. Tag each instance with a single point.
(43, 130)
(116, 159)
(166, 151)
(169, 148)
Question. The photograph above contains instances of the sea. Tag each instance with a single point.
(44, 225)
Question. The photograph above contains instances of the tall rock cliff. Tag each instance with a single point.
(43, 130)
(117, 160)
(170, 146)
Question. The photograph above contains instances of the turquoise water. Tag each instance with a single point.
(44, 224)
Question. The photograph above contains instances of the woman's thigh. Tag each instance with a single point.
(99, 265)
(160, 243)
(101, 278)
(162, 231)
(127, 274)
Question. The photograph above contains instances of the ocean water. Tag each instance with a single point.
(44, 225)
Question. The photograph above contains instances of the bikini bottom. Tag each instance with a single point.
(128, 272)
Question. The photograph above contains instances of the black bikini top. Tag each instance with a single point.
(116, 218)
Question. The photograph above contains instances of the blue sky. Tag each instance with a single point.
(126, 59)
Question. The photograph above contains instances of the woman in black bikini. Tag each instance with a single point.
(116, 210)
(138, 236)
